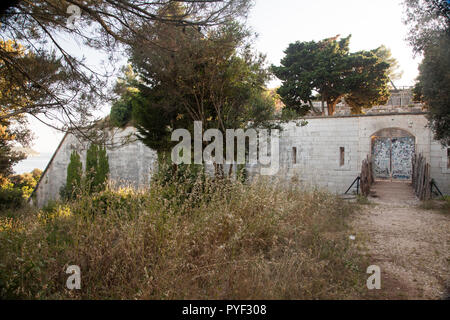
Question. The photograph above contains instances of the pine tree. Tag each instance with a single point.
(74, 172)
(103, 168)
(97, 167)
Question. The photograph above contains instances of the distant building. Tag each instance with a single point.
(400, 101)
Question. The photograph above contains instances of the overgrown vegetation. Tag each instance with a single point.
(15, 189)
(429, 35)
(432, 87)
(43, 78)
(441, 205)
(212, 76)
(360, 199)
(95, 177)
(222, 240)
(97, 167)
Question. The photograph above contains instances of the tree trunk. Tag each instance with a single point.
(323, 106)
(331, 105)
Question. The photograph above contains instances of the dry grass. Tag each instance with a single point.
(441, 205)
(225, 241)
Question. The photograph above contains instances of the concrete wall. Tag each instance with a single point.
(439, 163)
(318, 149)
(317, 154)
(130, 164)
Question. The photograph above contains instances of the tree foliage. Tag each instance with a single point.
(368, 83)
(8, 156)
(211, 76)
(427, 20)
(429, 34)
(60, 84)
(155, 119)
(97, 167)
(95, 176)
(74, 174)
(42, 76)
(433, 87)
(15, 189)
(102, 169)
(91, 163)
(122, 108)
(385, 54)
(26, 182)
(13, 129)
(121, 112)
(328, 68)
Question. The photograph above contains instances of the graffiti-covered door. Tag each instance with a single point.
(401, 156)
(392, 157)
(381, 155)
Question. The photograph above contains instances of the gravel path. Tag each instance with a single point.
(411, 245)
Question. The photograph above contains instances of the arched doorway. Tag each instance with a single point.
(392, 152)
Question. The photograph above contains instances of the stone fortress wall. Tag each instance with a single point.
(130, 165)
(325, 153)
(328, 151)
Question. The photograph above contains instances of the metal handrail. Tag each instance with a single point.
(358, 178)
(433, 183)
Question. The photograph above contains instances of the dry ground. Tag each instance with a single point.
(411, 245)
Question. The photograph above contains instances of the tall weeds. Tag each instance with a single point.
(224, 240)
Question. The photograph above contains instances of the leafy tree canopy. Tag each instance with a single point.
(368, 83)
(433, 88)
(43, 77)
(13, 97)
(209, 75)
(429, 34)
(328, 68)
(427, 20)
(60, 84)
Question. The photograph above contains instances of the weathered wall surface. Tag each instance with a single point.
(130, 164)
(439, 166)
(318, 149)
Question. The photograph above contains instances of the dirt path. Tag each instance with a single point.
(411, 245)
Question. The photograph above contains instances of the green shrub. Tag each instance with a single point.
(241, 173)
(50, 206)
(18, 185)
(11, 198)
(74, 174)
(183, 185)
(97, 168)
(123, 202)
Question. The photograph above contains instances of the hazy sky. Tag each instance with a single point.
(280, 22)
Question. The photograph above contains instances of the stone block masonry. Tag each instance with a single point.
(329, 150)
(326, 153)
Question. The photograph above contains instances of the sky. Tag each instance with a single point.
(371, 24)
(280, 22)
